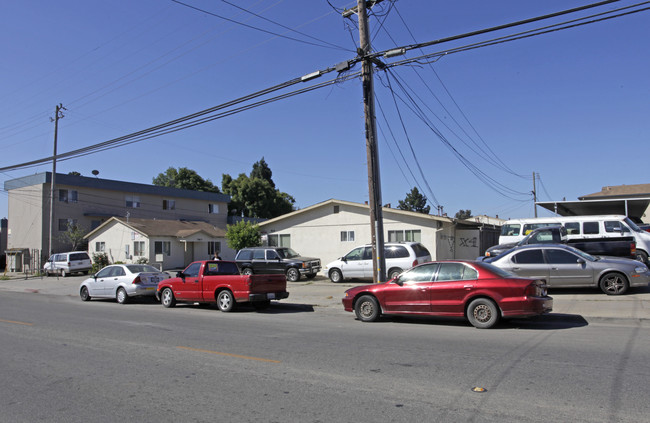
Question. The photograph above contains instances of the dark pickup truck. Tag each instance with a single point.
(620, 246)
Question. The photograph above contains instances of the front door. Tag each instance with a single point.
(190, 288)
(353, 263)
(413, 293)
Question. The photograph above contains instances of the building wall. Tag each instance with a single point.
(28, 214)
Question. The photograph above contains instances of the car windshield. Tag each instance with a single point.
(632, 225)
(139, 268)
(287, 253)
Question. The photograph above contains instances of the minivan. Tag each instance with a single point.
(67, 263)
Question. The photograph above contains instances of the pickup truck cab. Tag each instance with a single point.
(620, 246)
(216, 281)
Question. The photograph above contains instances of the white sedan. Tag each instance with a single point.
(122, 281)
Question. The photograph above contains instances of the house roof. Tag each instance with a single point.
(620, 191)
(352, 204)
(157, 227)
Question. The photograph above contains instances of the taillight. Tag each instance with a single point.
(415, 263)
(137, 280)
(633, 248)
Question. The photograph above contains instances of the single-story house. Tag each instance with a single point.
(166, 243)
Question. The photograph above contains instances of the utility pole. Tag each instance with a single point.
(374, 179)
(534, 195)
(58, 114)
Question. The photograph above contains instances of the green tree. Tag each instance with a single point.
(184, 178)
(74, 237)
(74, 173)
(414, 201)
(243, 234)
(262, 170)
(463, 214)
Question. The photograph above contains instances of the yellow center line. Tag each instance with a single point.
(229, 355)
(18, 323)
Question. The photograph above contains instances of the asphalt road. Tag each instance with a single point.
(64, 360)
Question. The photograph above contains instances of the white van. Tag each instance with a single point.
(67, 263)
(603, 226)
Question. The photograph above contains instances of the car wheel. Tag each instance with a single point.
(393, 273)
(613, 284)
(225, 301)
(167, 298)
(261, 305)
(84, 294)
(63, 273)
(336, 276)
(293, 275)
(367, 309)
(247, 271)
(121, 296)
(642, 257)
(482, 313)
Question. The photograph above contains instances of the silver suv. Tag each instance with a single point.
(67, 263)
(357, 264)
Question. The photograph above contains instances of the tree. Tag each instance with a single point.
(463, 214)
(74, 173)
(256, 195)
(414, 201)
(243, 234)
(74, 236)
(184, 178)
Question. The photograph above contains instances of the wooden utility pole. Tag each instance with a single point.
(534, 195)
(57, 115)
(374, 180)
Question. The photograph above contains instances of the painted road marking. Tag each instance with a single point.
(266, 360)
(15, 322)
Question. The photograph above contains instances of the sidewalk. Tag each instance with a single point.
(320, 293)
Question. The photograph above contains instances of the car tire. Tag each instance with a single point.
(367, 309)
(84, 294)
(63, 273)
(121, 296)
(225, 301)
(642, 257)
(247, 271)
(293, 274)
(167, 298)
(482, 313)
(613, 283)
(336, 276)
(393, 273)
(261, 305)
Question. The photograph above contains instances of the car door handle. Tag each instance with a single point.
(516, 268)
(196, 281)
(468, 286)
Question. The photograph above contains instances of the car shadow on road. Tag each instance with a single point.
(274, 308)
(553, 321)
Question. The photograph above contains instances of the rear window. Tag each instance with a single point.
(79, 256)
(420, 250)
(529, 257)
(245, 255)
(396, 251)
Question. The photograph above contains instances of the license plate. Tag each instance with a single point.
(149, 289)
(270, 296)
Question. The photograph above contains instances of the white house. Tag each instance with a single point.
(167, 243)
(330, 229)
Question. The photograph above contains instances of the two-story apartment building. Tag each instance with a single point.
(87, 202)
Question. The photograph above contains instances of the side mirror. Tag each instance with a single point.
(398, 281)
(581, 261)
(344, 260)
(180, 275)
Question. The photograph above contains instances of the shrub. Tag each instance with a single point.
(100, 260)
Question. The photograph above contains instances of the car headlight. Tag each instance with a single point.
(640, 269)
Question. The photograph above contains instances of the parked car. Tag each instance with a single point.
(563, 266)
(122, 281)
(65, 264)
(478, 291)
(276, 260)
(357, 264)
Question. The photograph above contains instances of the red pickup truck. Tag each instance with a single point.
(220, 282)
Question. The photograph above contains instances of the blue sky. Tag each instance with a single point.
(571, 105)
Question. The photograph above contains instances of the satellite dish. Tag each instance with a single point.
(95, 172)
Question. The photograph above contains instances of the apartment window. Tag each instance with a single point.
(67, 196)
(162, 247)
(408, 235)
(138, 248)
(100, 247)
(63, 224)
(214, 247)
(213, 208)
(281, 240)
(169, 204)
(132, 201)
(347, 236)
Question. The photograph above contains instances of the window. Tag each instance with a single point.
(100, 246)
(561, 257)
(126, 250)
(192, 270)
(336, 209)
(65, 223)
(511, 229)
(395, 251)
(455, 272)
(281, 240)
(347, 236)
(63, 195)
(214, 247)
(213, 208)
(272, 255)
(244, 255)
(258, 254)
(615, 226)
(162, 247)
(590, 228)
(529, 257)
(138, 248)
(572, 228)
(132, 201)
(68, 196)
(407, 235)
(72, 194)
(529, 227)
(419, 274)
(169, 204)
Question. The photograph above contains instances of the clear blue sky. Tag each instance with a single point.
(571, 105)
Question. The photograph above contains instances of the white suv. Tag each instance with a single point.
(357, 264)
(66, 263)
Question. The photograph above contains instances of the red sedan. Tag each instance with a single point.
(478, 291)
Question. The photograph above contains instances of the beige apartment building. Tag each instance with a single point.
(88, 202)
